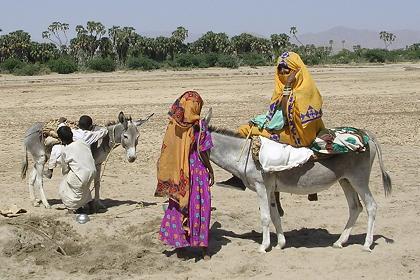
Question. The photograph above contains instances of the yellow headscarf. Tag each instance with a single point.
(304, 103)
(173, 165)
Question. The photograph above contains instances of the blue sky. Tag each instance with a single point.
(262, 17)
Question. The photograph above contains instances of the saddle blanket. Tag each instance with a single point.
(340, 140)
(274, 156)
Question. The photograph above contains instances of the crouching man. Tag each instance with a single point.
(78, 168)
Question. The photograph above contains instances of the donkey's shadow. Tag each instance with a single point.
(301, 238)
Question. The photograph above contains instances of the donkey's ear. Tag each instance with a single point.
(208, 116)
(141, 121)
(121, 117)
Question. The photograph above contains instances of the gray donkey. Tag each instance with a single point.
(351, 170)
(125, 132)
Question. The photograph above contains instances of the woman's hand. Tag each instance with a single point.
(211, 178)
(291, 79)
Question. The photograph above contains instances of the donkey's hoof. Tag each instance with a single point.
(261, 249)
(366, 249)
(338, 245)
(278, 247)
(281, 243)
(36, 203)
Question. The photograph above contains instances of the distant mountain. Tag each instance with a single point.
(365, 38)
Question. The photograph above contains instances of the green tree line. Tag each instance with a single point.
(98, 48)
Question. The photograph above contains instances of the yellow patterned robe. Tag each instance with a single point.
(303, 106)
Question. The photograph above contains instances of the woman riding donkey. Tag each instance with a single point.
(185, 175)
(297, 97)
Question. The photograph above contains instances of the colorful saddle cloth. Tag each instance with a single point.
(340, 140)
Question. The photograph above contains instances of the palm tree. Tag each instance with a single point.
(88, 39)
(177, 40)
(121, 40)
(387, 37)
(54, 34)
(331, 42)
(279, 43)
(293, 31)
(16, 44)
(212, 42)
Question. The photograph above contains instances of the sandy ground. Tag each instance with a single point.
(122, 243)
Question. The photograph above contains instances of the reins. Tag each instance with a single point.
(246, 161)
(112, 146)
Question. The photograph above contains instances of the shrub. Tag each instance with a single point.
(211, 59)
(343, 57)
(63, 65)
(227, 61)
(375, 55)
(102, 64)
(143, 63)
(412, 54)
(254, 59)
(11, 64)
(189, 60)
(28, 70)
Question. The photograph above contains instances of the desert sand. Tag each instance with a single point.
(122, 242)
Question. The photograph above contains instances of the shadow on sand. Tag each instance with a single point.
(216, 242)
(302, 238)
(109, 203)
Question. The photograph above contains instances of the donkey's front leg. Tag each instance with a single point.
(97, 187)
(263, 197)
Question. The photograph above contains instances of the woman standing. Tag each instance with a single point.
(185, 175)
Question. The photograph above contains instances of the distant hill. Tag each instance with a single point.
(365, 38)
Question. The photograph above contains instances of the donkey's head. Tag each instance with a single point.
(129, 134)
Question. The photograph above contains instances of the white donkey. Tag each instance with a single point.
(125, 132)
(351, 170)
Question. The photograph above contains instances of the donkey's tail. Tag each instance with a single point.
(386, 179)
(24, 167)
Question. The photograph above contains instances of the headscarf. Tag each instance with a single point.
(173, 164)
(304, 103)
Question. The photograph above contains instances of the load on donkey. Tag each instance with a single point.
(124, 132)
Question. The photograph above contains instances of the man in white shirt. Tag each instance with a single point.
(84, 132)
(78, 168)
